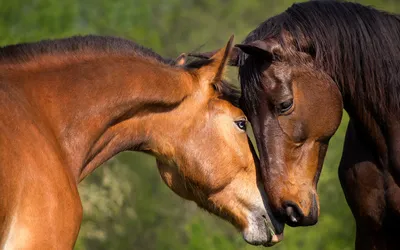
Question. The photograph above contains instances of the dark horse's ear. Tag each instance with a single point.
(267, 48)
(233, 56)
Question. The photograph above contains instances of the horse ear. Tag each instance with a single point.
(214, 70)
(181, 60)
(267, 48)
(233, 57)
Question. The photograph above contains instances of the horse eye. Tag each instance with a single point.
(285, 106)
(241, 124)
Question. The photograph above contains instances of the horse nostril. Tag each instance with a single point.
(293, 214)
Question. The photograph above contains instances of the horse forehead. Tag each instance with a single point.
(222, 106)
(277, 74)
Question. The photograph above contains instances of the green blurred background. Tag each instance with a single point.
(126, 205)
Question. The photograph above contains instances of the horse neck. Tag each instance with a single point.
(100, 107)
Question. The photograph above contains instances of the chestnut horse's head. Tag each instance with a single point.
(204, 154)
(294, 109)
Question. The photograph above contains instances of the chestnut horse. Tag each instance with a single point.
(69, 105)
(298, 70)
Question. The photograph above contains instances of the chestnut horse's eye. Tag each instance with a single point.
(241, 124)
(285, 106)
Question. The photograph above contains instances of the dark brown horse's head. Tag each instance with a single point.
(294, 110)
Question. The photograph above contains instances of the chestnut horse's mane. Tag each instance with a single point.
(76, 44)
(114, 45)
(358, 46)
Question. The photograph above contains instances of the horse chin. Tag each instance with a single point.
(260, 231)
(262, 226)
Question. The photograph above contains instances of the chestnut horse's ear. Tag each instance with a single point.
(267, 48)
(214, 70)
(233, 57)
(181, 60)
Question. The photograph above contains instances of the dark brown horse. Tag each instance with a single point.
(69, 105)
(297, 71)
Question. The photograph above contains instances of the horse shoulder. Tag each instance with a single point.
(40, 206)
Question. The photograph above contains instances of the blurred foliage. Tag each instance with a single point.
(126, 205)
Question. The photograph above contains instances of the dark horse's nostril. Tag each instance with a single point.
(293, 214)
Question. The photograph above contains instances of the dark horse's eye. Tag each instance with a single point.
(285, 106)
(241, 124)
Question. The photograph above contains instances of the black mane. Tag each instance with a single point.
(28, 51)
(228, 92)
(358, 46)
